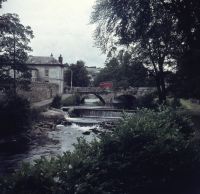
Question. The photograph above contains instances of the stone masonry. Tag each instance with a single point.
(40, 91)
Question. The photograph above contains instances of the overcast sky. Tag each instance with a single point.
(60, 27)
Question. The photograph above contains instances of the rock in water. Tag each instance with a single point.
(86, 133)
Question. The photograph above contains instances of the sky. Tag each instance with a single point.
(60, 27)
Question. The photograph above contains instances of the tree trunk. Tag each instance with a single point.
(158, 85)
(162, 82)
(14, 65)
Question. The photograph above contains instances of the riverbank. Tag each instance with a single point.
(45, 123)
(192, 109)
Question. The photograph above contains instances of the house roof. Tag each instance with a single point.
(43, 60)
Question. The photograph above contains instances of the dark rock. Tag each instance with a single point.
(66, 123)
(86, 133)
(95, 130)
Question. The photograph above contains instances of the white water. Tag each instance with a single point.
(65, 137)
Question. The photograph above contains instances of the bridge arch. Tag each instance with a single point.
(83, 96)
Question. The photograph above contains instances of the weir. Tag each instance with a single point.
(83, 114)
(83, 111)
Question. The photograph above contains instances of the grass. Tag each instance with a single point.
(192, 109)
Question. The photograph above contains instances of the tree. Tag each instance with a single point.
(185, 83)
(186, 80)
(14, 48)
(188, 14)
(78, 73)
(147, 26)
(1, 1)
(14, 116)
(124, 71)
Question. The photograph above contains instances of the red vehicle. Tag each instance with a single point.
(106, 85)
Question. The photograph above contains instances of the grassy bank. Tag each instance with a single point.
(192, 109)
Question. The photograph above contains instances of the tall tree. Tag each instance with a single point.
(78, 73)
(123, 71)
(188, 15)
(147, 25)
(185, 82)
(1, 1)
(14, 48)
(186, 79)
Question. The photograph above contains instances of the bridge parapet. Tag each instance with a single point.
(87, 90)
(108, 97)
(98, 90)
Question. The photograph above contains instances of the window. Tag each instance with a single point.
(46, 73)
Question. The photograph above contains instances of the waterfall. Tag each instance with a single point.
(99, 113)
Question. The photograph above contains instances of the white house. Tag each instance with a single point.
(47, 69)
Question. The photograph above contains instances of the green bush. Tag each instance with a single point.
(71, 100)
(147, 101)
(174, 102)
(152, 152)
(14, 115)
(56, 103)
(35, 114)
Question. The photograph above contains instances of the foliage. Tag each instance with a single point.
(147, 101)
(56, 103)
(14, 115)
(35, 114)
(79, 75)
(150, 152)
(174, 102)
(1, 3)
(149, 28)
(71, 100)
(14, 48)
(188, 14)
(124, 71)
(185, 82)
(125, 102)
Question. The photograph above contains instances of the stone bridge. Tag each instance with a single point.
(108, 96)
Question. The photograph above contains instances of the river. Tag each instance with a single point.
(62, 139)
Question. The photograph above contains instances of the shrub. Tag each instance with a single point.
(14, 115)
(126, 102)
(71, 100)
(147, 101)
(56, 103)
(35, 114)
(174, 102)
(150, 152)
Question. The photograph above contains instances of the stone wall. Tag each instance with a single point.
(40, 91)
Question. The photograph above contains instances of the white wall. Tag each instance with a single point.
(56, 75)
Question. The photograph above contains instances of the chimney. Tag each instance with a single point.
(60, 59)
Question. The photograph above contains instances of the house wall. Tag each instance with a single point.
(55, 75)
(34, 75)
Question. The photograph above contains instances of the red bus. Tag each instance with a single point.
(106, 85)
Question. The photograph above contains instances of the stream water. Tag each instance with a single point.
(62, 139)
